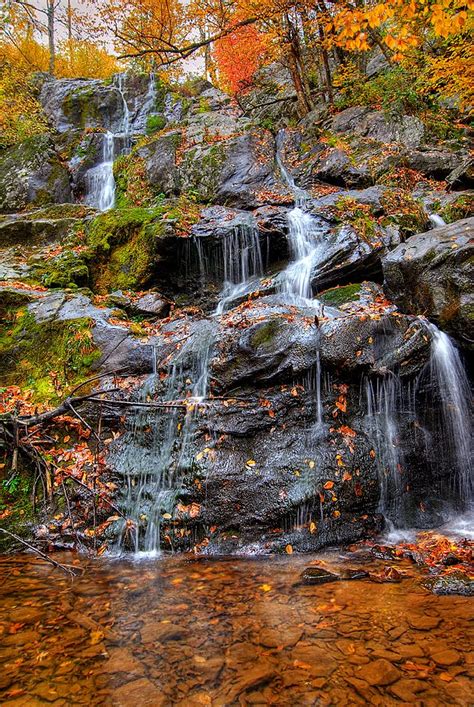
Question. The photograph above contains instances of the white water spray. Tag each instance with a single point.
(100, 182)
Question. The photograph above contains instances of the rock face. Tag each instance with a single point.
(432, 273)
(375, 125)
(32, 173)
(272, 420)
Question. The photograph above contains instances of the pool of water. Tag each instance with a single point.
(227, 631)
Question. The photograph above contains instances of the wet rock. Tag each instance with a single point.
(254, 677)
(318, 575)
(142, 692)
(439, 163)
(32, 173)
(160, 163)
(232, 172)
(121, 660)
(348, 258)
(375, 125)
(379, 672)
(423, 622)
(161, 633)
(317, 660)
(151, 306)
(93, 103)
(457, 582)
(27, 615)
(286, 637)
(446, 657)
(432, 272)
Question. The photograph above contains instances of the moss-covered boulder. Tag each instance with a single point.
(123, 248)
(32, 174)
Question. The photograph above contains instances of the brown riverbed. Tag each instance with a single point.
(197, 631)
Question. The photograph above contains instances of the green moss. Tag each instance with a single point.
(462, 207)
(154, 123)
(336, 296)
(132, 187)
(265, 334)
(122, 248)
(17, 507)
(48, 358)
(201, 169)
(79, 107)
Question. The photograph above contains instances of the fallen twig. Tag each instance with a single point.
(69, 569)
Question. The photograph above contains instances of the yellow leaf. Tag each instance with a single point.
(265, 587)
(96, 637)
(289, 550)
(250, 462)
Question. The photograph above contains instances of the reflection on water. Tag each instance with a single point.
(203, 631)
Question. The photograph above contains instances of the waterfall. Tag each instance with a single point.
(155, 453)
(436, 220)
(385, 403)
(305, 240)
(125, 132)
(236, 261)
(454, 423)
(100, 182)
(437, 408)
(242, 260)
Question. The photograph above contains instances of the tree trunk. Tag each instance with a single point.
(303, 92)
(52, 49)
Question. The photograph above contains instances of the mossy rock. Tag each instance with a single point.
(200, 171)
(31, 174)
(16, 508)
(265, 334)
(462, 207)
(337, 296)
(46, 357)
(122, 248)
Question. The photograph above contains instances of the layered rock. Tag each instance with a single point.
(432, 273)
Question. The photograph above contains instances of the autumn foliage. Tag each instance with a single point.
(238, 56)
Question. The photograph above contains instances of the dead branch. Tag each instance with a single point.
(69, 569)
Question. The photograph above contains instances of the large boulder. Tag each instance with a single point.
(159, 157)
(32, 173)
(236, 172)
(376, 125)
(432, 273)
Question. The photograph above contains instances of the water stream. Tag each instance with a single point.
(227, 631)
(100, 182)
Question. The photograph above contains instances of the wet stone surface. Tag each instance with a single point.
(188, 631)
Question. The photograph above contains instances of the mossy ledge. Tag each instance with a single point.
(49, 358)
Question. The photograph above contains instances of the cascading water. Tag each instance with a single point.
(243, 262)
(100, 182)
(124, 132)
(454, 422)
(305, 239)
(436, 406)
(155, 453)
